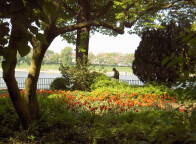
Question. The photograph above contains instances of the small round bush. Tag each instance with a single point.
(60, 84)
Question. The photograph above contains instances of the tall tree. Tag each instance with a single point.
(118, 13)
(129, 58)
(28, 17)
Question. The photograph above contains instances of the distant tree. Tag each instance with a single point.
(129, 58)
(101, 58)
(66, 54)
(156, 45)
(47, 56)
(91, 57)
(54, 59)
(112, 58)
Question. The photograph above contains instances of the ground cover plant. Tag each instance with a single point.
(101, 117)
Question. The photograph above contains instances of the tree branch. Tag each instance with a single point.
(122, 22)
(103, 11)
(69, 9)
(65, 29)
(153, 8)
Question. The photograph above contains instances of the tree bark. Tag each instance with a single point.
(31, 82)
(82, 41)
(18, 101)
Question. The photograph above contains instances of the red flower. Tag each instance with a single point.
(181, 110)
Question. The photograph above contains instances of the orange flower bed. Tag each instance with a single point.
(106, 103)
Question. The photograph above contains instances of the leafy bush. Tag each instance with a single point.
(60, 84)
(81, 75)
(9, 121)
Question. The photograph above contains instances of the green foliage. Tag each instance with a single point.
(57, 124)
(159, 55)
(9, 120)
(80, 75)
(186, 87)
(60, 83)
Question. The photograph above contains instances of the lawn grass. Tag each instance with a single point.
(55, 67)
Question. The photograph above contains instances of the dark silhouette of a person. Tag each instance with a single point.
(116, 74)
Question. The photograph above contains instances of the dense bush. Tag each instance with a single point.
(159, 44)
(60, 84)
(9, 121)
(81, 76)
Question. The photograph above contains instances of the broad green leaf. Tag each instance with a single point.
(192, 41)
(42, 38)
(4, 29)
(33, 29)
(8, 59)
(191, 51)
(165, 60)
(186, 38)
(23, 48)
(23, 51)
(175, 61)
(3, 41)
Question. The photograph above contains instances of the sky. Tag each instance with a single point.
(99, 43)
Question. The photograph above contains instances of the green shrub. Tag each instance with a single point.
(60, 84)
(81, 75)
(9, 120)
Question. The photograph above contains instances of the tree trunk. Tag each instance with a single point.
(26, 106)
(31, 81)
(18, 101)
(82, 41)
(39, 51)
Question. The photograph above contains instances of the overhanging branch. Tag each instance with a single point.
(65, 29)
(103, 11)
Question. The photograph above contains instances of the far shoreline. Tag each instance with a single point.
(52, 71)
